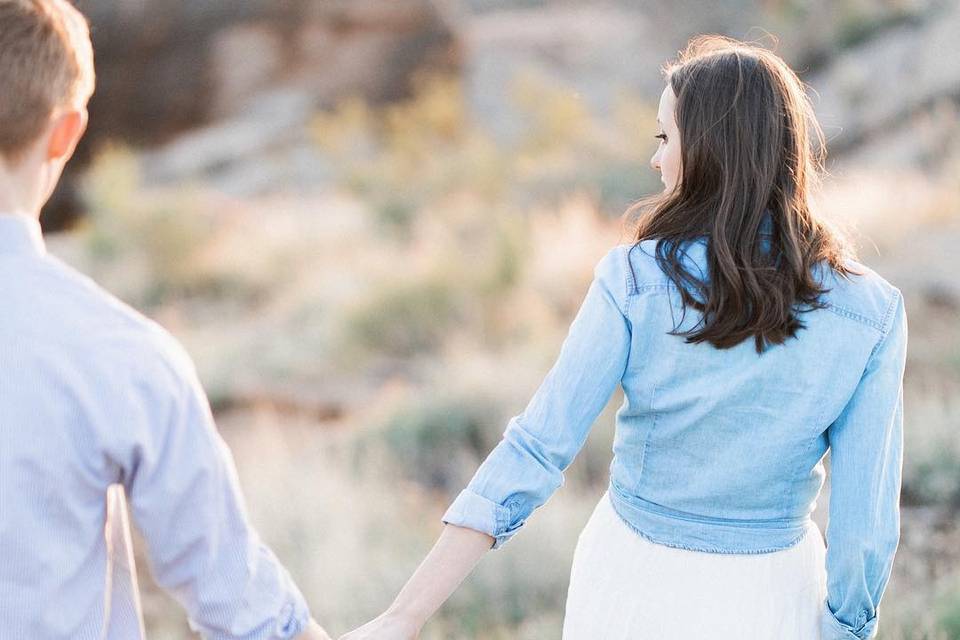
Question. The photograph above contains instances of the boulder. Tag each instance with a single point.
(165, 67)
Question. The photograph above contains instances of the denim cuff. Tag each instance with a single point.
(833, 629)
(476, 512)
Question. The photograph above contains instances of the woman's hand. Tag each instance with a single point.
(387, 626)
(450, 560)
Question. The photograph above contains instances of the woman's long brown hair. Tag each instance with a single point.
(750, 144)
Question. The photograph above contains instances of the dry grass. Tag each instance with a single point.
(357, 334)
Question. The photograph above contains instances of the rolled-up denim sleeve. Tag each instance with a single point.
(866, 454)
(186, 500)
(526, 467)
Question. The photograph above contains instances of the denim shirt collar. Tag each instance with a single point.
(693, 253)
(766, 223)
(766, 231)
(20, 234)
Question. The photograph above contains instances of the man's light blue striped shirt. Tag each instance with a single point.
(93, 397)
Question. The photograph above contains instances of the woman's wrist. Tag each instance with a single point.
(450, 560)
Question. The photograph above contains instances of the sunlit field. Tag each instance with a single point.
(364, 344)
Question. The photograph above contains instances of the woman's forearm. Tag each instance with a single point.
(455, 554)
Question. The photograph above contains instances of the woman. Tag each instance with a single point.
(705, 530)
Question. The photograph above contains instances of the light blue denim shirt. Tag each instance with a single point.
(92, 396)
(722, 450)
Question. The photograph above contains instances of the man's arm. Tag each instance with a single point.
(186, 500)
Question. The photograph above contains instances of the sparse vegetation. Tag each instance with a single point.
(440, 259)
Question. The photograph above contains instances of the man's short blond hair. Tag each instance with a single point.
(46, 63)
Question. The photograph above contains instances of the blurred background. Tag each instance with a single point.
(371, 222)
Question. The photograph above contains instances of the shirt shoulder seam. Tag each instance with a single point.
(887, 323)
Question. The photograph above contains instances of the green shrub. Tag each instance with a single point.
(931, 466)
(149, 246)
(404, 319)
(946, 609)
(440, 442)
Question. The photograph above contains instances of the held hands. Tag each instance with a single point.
(387, 626)
(450, 560)
(314, 632)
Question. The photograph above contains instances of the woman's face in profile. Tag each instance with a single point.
(667, 158)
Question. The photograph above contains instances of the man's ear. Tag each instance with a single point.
(66, 130)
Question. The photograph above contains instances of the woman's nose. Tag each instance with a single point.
(655, 161)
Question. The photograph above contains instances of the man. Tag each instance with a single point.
(94, 396)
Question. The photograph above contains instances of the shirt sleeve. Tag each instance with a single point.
(186, 501)
(866, 445)
(526, 467)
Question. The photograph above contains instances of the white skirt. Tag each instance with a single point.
(623, 586)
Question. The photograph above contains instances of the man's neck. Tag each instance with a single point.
(19, 190)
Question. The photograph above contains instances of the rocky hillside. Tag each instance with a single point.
(165, 68)
(214, 89)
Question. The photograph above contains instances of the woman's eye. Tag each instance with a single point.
(662, 136)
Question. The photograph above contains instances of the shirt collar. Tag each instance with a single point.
(766, 223)
(19, 234)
